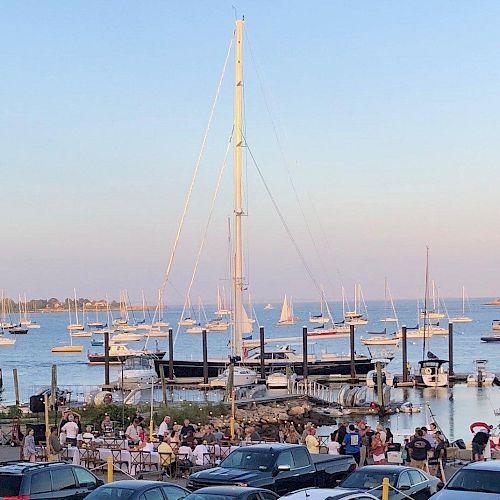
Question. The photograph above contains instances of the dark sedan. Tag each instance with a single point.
(410, 481)
(139, 490)
(231, 493)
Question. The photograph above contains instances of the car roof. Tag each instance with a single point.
(384, 468)
(17, 467)
(493, 465)
(324, 493)
(269, 447)
(138, 484)
(232, 491)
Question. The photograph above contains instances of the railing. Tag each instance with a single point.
(312, 389)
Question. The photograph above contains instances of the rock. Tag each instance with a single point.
(296, 410)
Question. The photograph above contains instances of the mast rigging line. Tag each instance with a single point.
(205, 232)
(196, 169)
(282, 219)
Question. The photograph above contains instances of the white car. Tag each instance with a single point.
(324, 493)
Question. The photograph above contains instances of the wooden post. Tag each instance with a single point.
(405, 354)
(53, 388)
(205, 355)
(1, 378)
(163, 385)
(305, 370)
(106, 358)
(262, 354)
(450, 349)
(170, 354)
(46, 414)
(352, 352)
(16, 386)
(233, 413)
(380, 385)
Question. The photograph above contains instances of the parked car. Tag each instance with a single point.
(42, 480)
(410, 481)
(231, 493)
(475, 481)
(135, 490)
(281, 468)
(325, 493)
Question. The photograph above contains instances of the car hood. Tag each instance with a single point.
(463, 495)
(229, 475)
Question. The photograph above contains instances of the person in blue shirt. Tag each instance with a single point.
(352, 443)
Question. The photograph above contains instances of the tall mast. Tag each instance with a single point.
(426, 296)
(238, 209)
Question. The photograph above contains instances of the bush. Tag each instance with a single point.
(195, 412)
(94, 415)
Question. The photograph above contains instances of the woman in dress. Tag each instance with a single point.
(29, 451)
(378, 449)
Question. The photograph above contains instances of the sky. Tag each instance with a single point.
(375, 125)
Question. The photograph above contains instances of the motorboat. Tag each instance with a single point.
(119, 352)
(481, 377)
(268, 307)
(381, 340)
(491, 338)
(97, 342)
(139, 370)
(495, 325)
(18, 330)
(431, 372)
(279, 380)
(408, 407)
(387, 376)
(242, 376)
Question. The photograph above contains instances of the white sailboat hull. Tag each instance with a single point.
(380, 341)
(460, 319)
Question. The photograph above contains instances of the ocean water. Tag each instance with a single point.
(32, 357)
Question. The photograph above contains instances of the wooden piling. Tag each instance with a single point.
(404, 353)
(450, 350)
(170, 354)
(16, 386)
(380, 386)
(163, 385)
(1, 378)
(106, 358)
(352, 352)
(205, 355)
(305, 371)
(262, 354)
(53, 387)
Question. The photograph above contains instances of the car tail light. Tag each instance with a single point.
(22, 497)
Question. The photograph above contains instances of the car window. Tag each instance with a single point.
(84, 477)
(300, 457)
(267, 496)
(40, 483)
(63, 479)
(113, 493)
(9, 485)
(152, 494)
(416, 476)
(285, 458)
(253, 496)
(404, 479)
(173, 493)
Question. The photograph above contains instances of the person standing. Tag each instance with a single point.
(333, 446)
(479, 442)
(378, 449)
(418, 449)
(54, 445)
(70, 428)
(164, 428)
(312, 442)
(352, 443)
(29, 451)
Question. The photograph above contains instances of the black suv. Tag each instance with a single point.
(42, 480)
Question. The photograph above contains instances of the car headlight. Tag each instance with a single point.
(242, 484)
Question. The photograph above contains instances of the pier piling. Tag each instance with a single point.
(262, 354)
(450, 349)
(352, 352)
(305, 372)
(16, 386)
(205, 355)
(53, 387)
(405, 354)
(106, 358)
(163, 385)
(380, 386)
(1, 378)
(170, 354)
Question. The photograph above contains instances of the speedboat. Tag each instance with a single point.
(491, 338)
(481, 377)
(139, 370)
(387, 376)
(431, 372)
(241, 377)
(279, 380)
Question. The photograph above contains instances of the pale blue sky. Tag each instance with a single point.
(388, 113)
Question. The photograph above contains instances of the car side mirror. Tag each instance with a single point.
(281, 468)
(99, 482)
(440, 486)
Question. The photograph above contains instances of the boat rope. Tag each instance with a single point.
(196, 169)
(282, 219)
(205, 232)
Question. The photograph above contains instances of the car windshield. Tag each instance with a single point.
(484, 481)
(9, 485)
(206, 496)
(367, 479)
(111, 492)
(250, 460)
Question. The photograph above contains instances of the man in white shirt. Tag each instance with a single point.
(132, 432)
(164, 427)
(70, 428)
(184, 452)
(200, 454)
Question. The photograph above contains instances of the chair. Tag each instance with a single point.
(86, 457)
(96, 458)
(140, 460)
(183, 464)
(40, 454)
(167, 465)
(118, 459)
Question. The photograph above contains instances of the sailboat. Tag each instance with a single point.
(160, 309)
(387, 293)
(96, 323)
(25, 320)
(76, 325)
(431, 371)
(187, 320)
(435, 312)
(463, 318)
(356, 317)
(221, 310)
(319, 318)
(286, 318)
(323, 364)
(268, 307)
